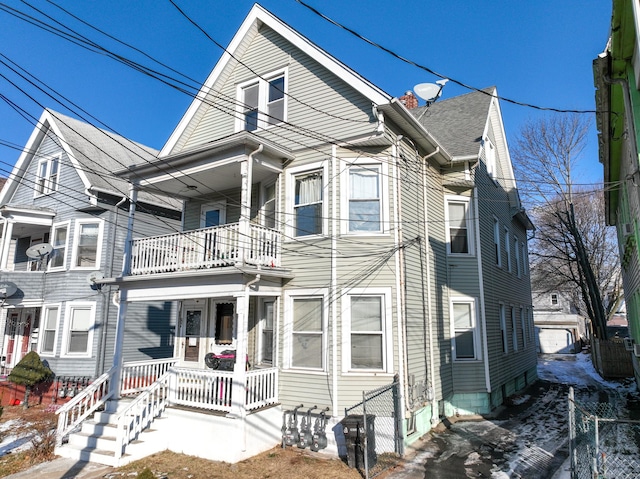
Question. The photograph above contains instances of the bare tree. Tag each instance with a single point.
(573, 249)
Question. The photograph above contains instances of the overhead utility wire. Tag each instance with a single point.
(429, 70)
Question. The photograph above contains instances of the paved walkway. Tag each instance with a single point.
(63, 468)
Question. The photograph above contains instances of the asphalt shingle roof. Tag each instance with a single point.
(458, 123)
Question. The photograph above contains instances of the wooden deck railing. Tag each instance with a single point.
(206, 248)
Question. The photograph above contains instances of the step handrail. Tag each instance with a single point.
(85, 403)
(141, 412)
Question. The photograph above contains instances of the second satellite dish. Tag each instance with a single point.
(7, 288)
(37, 251)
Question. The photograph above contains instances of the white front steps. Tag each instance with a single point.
(96, 440)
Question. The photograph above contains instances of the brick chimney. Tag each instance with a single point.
(409, 100)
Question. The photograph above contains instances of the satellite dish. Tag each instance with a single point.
(94, 276)
(37, 251)
(7, 288)
(430, 92)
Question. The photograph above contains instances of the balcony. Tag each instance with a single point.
(212, 247)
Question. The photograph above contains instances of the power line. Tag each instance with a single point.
(431, 71)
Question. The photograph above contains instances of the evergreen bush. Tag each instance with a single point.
(29, 372)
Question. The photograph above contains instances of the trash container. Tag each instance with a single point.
(354, 435)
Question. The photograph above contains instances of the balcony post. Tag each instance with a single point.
(238, 388)
(4, 244)
(244, 237)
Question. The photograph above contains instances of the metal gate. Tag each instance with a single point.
(602, 446)
(382, 407)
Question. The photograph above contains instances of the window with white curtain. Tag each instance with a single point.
(308, 204)
(307, 337)
(49, 327)
(88, 244)
(79, 325)
(47, 177)
(365, 209)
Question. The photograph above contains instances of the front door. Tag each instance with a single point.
(191, 333)
(17, 340)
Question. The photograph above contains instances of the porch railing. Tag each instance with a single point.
(141, 412)
(206, 248)
(71, 414)
(139, 375)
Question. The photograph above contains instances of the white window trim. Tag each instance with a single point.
(507, 248)
(55, 226)
(514, 329)
(470, 223)
(289, 297)
(67, 329)
(525, 258)
(263, 94)
(383, 167)
(290, 219)
(216, 205)
(41, 329)
(490, 158)
(46, 187)
(263, 198)
(523, 326)
(261, 323)
(502, 308)
(76, 238)
(497, 241)
(387, 338)
(476, 333)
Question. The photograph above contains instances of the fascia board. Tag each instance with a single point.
(256, 17)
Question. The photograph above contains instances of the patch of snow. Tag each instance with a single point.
(520, 399)
(473, 458)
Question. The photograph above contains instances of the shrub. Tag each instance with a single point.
(29, 372)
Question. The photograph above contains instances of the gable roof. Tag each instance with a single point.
(241, 42)
(458, 123)
(93, 152)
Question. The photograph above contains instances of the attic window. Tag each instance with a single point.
(490, 158)
(262, 102)
(47, 176)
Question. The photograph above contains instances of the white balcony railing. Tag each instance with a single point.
(206, 248)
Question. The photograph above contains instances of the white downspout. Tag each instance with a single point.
(333, 294)
(483, 316)
(114, 384)
(432, 369)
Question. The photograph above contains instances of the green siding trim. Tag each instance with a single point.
(422, 418)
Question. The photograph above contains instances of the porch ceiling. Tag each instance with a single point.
(210, 168)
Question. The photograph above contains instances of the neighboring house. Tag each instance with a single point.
(559, 329)
(335, 241)
(62, 202)
(616, 74)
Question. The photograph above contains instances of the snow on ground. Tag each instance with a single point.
(11, 442)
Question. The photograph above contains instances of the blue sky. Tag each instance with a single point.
(534, 52)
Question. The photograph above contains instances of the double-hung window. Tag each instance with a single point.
(47, 178)
(507, 248)
(307, 208)
(307, 332)
(365, 200)
(49, 330)
(87, 244)
(523, 327)
(496, 241)
(503, 328)
(79, 322)
(490, 158)
(366, 335)
(59, 239)
(516, 252)
(459, 237)
(465, 333)
(262, 102)
(514, 330)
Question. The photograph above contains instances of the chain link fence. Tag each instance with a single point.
(601, 445)
(373, 430)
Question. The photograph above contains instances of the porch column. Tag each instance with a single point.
(6, 242)
(238, 392)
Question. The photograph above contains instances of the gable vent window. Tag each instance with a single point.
(262, 102)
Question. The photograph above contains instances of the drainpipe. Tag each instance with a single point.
(432, 371)
(245, 213)
(106, 300)
(114, 384)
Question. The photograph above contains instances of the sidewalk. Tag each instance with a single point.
(62, 468)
